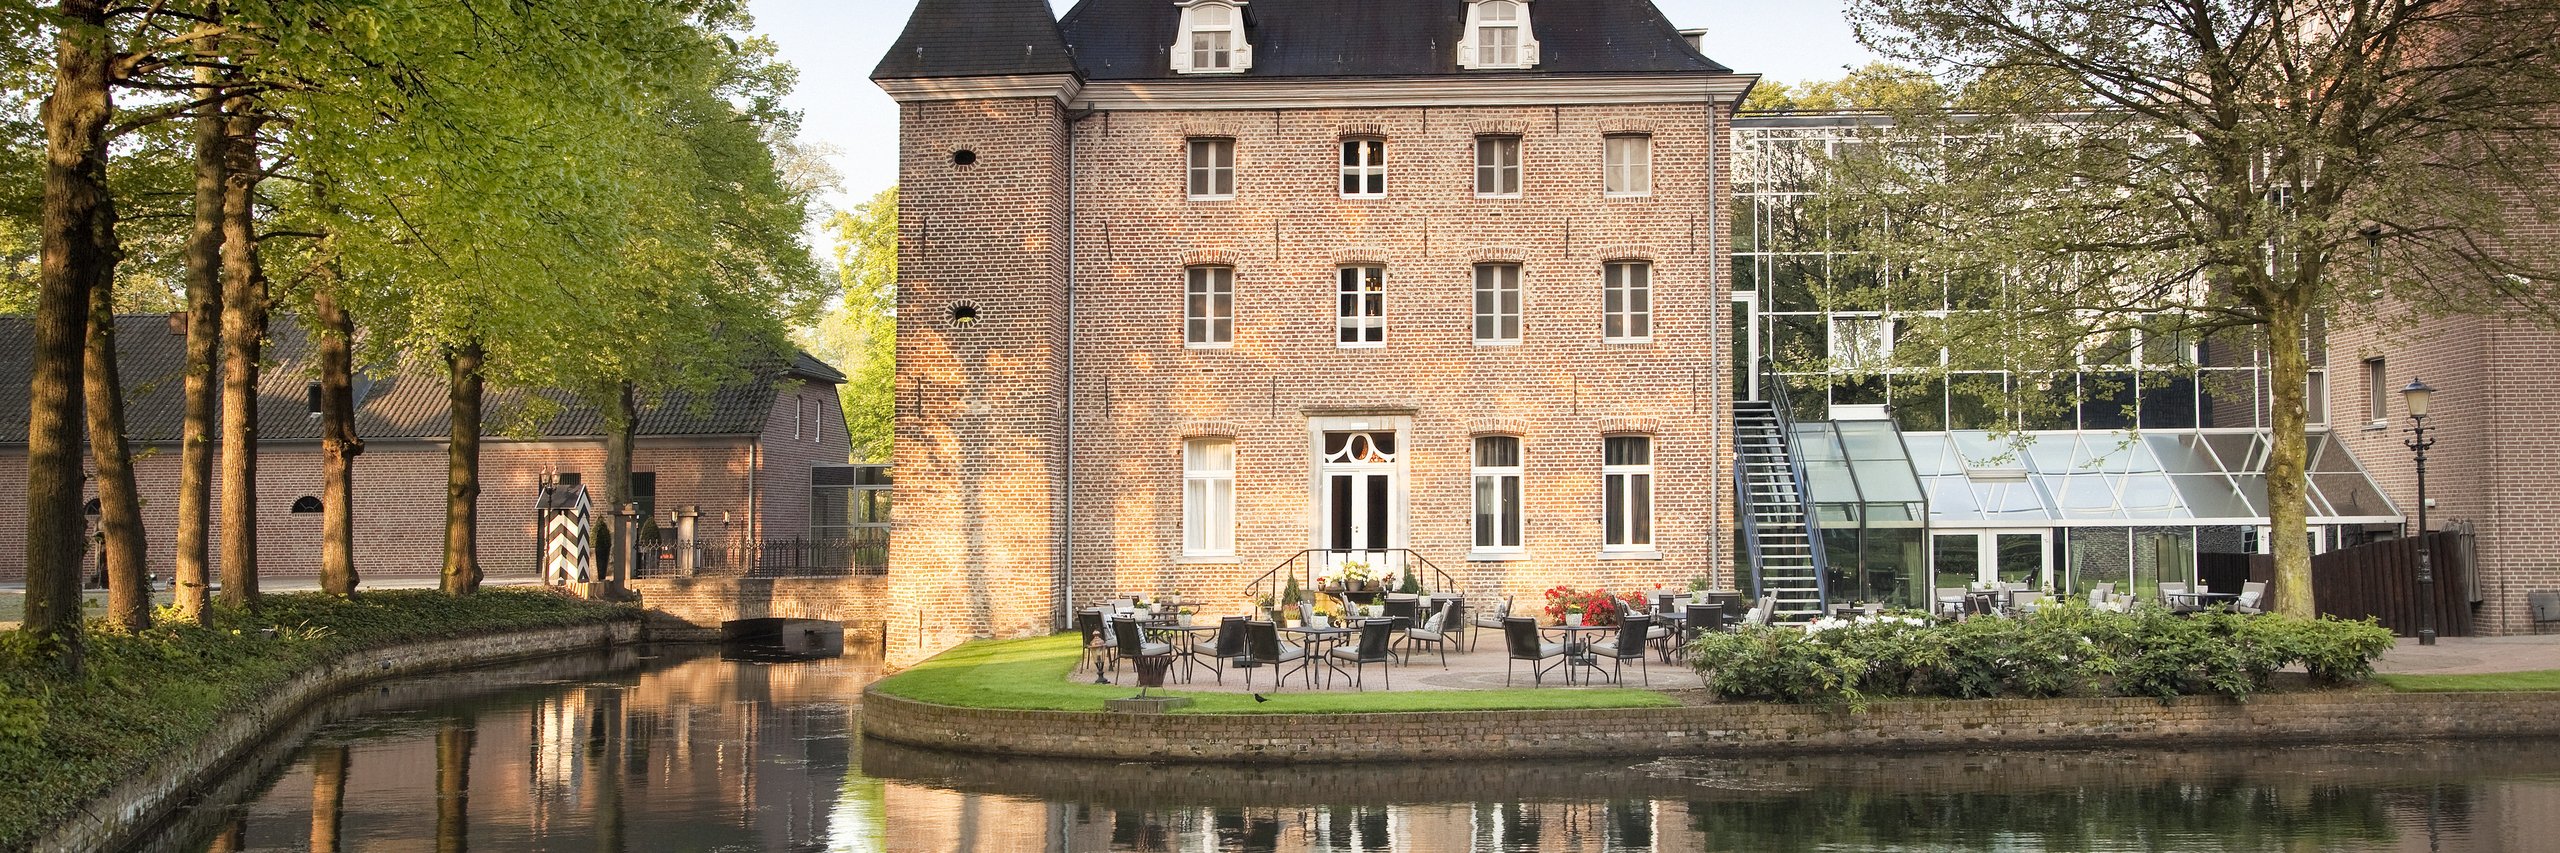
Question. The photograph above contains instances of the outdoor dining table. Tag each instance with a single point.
(1318, 641)
(1577, 653)
(2190, 601)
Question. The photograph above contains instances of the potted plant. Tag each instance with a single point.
(1290, 594)
(1573, 613)
(1699, 583)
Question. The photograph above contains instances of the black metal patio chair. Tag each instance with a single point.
(1226, 650)
(1520, 633)
(1630, 643)
(1263, 646)
(1434, 631)
(1376, 635)
(1131, 642)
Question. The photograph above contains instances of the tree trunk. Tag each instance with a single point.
(338, 443)
(2287, 523)
(621, 422)
(462, 471)
(328, 796)
(204, 338)
(78, 244)
(453, 788)
(119, 504)
(244, 328)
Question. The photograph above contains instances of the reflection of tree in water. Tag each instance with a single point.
(2167, 815)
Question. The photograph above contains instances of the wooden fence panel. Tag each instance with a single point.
(2381, 580)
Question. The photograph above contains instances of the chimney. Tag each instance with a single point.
(178, 323)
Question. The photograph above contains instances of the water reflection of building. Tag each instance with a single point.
(706, 754)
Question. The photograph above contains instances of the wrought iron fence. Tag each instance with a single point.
(866, 552)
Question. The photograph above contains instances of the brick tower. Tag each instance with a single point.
(982, 321)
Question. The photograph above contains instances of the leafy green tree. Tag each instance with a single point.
(860, 335)
(2219, 169)
(1875, 86)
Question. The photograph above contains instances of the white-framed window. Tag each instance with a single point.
(1212, 167)
(1626, 164)
(1497, 473)
(1212, 39)
(1497, 303)
(1861, 342)
(2377, 392)
(1209, 307)
(1498, 166)
(1361, 312)
(1364, 168)
(1498, 36)
(1209, 497)
(799, 417)
(1626, 482)
(1626, 302)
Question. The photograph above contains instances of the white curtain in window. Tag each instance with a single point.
(1208, 497)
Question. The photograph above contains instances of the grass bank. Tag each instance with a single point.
(2494, 682)
(1031, 675)
(62, 743)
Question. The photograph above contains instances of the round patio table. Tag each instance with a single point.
(1577, 653)
(1318, 640)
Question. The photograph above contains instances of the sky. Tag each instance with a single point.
(835, 43)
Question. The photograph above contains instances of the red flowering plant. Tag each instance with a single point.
(1597, 606)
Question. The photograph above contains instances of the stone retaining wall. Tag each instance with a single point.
(1711, 729)
(121, 817)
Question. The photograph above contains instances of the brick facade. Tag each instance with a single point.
(1138, 388)
(1067, 235)
(760, 481)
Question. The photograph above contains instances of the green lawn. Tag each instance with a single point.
(1032, 675)
(2548, 679)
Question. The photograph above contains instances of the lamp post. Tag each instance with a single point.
(2418, 443)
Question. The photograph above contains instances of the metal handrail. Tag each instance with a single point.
(1268, 583)
(1750, 525)
(1804, 483)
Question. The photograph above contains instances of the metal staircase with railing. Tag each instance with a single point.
(1780, 531)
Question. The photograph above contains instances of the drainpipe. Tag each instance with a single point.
(1067, 513)
(1723, 385)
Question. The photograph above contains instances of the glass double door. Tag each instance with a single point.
(1360, 496)
(1968, 557)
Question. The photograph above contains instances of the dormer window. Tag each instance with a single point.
(1212, 39)
(1498, 36)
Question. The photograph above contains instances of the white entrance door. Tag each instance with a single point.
(1361, 497)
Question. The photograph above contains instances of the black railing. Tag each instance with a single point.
(864, 553)
(1777, 394)
(1386, 566)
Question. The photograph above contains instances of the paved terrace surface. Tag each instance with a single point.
(1482, 668)
(2472, 655)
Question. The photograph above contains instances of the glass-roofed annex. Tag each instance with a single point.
(2147, 462)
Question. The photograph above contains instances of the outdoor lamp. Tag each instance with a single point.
(2416, 395)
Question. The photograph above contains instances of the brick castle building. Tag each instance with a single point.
(745, 454)
(1189, 289)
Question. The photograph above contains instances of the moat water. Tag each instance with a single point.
(677, 749)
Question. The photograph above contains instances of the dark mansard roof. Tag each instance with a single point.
(1129, 39)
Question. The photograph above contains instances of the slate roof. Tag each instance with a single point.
(1130, 39)
(977, 38)
(402, 401)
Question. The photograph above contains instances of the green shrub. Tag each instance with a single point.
(2065, 650)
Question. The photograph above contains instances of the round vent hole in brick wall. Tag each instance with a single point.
(964, 157)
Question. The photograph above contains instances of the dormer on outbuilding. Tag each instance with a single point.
(1498, 36)
(1211, 39)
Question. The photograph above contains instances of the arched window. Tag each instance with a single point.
(1498, 36)
(1212, 38)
